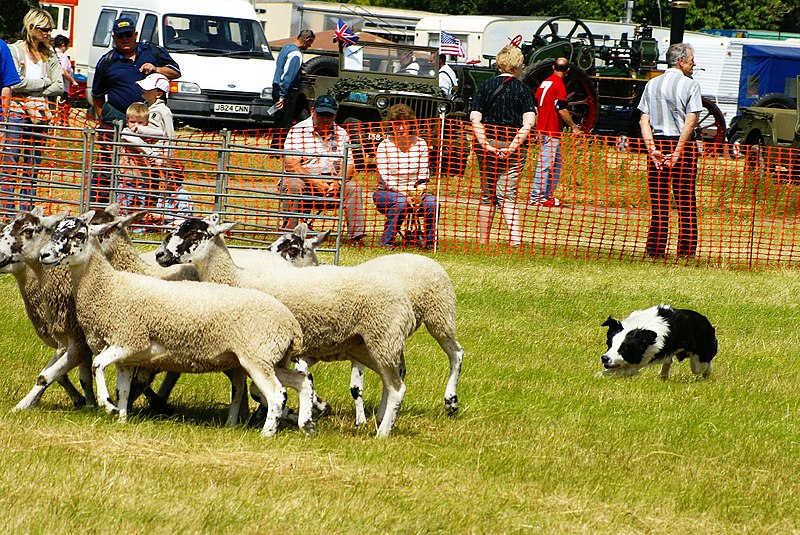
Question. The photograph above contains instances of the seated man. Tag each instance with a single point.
(319, 135)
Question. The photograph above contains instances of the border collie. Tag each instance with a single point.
(654, 336)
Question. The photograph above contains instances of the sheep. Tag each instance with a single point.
(345, 314)
(427, 285)
(135, 320)
(49, 305)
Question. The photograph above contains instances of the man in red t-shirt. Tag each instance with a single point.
(551, 98)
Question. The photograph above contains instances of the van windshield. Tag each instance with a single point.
(205, 34)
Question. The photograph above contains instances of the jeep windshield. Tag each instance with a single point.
(212, 35)
(382, 59)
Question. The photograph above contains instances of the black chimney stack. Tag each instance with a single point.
(678, 21)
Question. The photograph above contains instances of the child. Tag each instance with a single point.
(142, 158)
(61, 44)
(155, 89)
(177, 204)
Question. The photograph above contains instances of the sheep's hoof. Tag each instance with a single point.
(451, 406)
(79, 403)
(309, 428)
(323, 408)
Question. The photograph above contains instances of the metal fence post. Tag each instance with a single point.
(89, 136)
(223, 164)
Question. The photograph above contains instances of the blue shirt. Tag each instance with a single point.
(8, 73)
(115, 76)
(287, 69)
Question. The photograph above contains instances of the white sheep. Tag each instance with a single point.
(345, 313)
(188, 327)
(428, 286)
(49, 305)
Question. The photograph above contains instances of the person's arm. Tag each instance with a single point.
(164, 64)
(97, 104)
(686, 134)
(56, 77)
(291, 68)
(5, 102)
(647, 138)
(528, 120)
(567, 118)
(479, 131)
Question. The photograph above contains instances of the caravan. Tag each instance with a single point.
(225, 59)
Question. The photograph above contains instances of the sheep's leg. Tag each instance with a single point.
(301, 382)
(68, 360)
(85, 376)
(393, 393)
(77, 398)
(167, 384)
(456, 354)
(110, 355)
(124, 386)
(238, 397)
(357, 391)
(275, 395)
(322, 407)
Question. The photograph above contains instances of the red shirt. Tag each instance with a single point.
(549, 92)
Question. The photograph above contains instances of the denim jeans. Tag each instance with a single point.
(548, 170)
(21, 156)
(396, 207)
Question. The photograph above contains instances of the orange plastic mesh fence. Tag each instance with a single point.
(747, 202)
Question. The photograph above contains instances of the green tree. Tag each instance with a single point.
(11, 17)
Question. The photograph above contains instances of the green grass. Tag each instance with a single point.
(541, 445)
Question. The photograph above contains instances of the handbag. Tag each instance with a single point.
(39, 110)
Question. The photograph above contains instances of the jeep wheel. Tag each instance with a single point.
(775, 100)
(322, 66)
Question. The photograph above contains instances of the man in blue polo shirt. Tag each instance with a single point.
(114, 87)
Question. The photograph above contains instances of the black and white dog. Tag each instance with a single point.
(654, 336)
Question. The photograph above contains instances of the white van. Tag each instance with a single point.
(225, 60)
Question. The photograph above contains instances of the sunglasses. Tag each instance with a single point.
(44, 30)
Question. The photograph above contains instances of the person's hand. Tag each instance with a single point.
(147, 68)
(279, 104)
(576, 129)
(330, 188)
(671, 159)
(656, 157)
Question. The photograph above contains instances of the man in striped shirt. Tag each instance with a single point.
(670, 106)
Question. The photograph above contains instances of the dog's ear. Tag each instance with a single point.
(646, 337)
(612, 324)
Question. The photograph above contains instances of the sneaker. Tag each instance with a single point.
(537, 200)
(552, 202)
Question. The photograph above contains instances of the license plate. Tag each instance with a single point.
(355, 96)
(231, 108)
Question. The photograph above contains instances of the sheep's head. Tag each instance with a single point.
(297, 249)
(190, 240)
(24, 236)
(70, 241)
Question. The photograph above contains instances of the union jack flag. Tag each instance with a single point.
(344, 34)
(450, 46)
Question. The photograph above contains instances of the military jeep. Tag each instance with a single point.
(367, 79)
(762, 128)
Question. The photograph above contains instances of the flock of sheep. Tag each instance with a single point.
(266, 315)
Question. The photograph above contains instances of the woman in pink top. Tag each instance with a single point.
(402, 160)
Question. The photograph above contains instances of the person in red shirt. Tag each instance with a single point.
(551, 98)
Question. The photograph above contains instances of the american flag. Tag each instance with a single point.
(450, 46)
(344, 34)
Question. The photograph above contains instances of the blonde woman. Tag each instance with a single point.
(503, 113)
(40, 80)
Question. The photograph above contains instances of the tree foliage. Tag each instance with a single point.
(738, 14)
(11, 17)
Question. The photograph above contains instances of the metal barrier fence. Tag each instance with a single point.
(748, 203)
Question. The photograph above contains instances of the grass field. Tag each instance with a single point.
(540, 445)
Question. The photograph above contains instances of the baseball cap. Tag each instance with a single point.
(123, 25)
(155, 81)
(325, 104)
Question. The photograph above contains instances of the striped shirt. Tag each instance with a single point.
(667, 99)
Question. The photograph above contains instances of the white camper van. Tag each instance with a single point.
(225, 60)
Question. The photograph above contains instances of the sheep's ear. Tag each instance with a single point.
(222, 229)
(112, 209)
(87, 216)
(38, 211)
(124, 222)
(212, 219)
(103, 228)
(51, 221)
(313, 243)
(301, 230)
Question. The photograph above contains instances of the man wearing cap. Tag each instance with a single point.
(408, 63)
(323, 175)
(114, 87)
